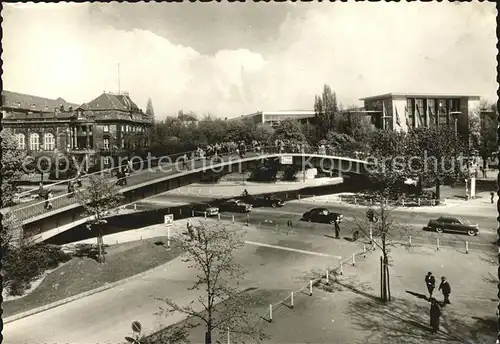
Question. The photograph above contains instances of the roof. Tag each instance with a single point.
(111, 101)
(33, 103)
(297, 113)
(419, 95)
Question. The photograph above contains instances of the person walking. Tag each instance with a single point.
(446, 290)
(430, 282)
(337, 230)
(435, 314)
(71, 189)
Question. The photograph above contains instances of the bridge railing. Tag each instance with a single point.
(38, 208)
(154, 160)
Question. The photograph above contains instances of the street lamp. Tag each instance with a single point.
(455, 115)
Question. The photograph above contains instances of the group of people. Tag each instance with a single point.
(435, 310)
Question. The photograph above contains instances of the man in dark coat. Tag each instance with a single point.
(430, 282)
(445, 289)
(435, 314)
(337, 230)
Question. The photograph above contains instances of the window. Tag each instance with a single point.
(442, 112)
(431, 110)
(34, 142)
(420, 112)
(49, 143)
(105, 144)
(410, 112)
(105, 128)
(21, 144)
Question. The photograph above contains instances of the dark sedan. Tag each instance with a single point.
(452, 224)
(322, 215)
(266, 201)
(234, 205)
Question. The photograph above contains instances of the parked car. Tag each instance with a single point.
(452, 224)
(322, 215)
(266, 201)
(201, 208)
(234, 205)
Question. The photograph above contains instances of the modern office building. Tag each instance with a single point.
(98, 127)
(274, 117)
(402, 111)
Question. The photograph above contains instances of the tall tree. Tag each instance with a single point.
(325, 108)
(437, 153)
(487, 143)
(149, 108)
(289, 130)
(12, 168)
(210, 251)
(389, 161)
(98, 200)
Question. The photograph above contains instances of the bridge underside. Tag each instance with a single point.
(74, 214)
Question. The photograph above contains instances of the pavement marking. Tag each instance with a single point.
(291, 249)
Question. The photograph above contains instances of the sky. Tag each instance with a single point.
(231, 59)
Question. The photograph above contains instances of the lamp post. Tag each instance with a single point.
(455, 115)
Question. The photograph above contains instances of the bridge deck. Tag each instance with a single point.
(29, 211)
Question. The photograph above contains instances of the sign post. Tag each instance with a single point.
(169, 221)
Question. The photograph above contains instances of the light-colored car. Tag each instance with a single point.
(206, 208)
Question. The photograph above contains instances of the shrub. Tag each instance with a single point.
(22, 265)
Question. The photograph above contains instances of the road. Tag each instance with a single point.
(273, 261)
(407, 223)
(273, 258)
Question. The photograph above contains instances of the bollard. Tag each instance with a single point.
(310, 287)
(192, 213)
(403, 202)
(291, 299)
(364, 251)
(353, 259)
(218, 216)
(299, 197)
(341, 268)
(437, 242)
(409, 241)
(327, 277)
(233, 218)
(135, 206)
(355, 200)
(205, 213)
(418, 200)
(168, 237)
(466, 247)
(270, 313)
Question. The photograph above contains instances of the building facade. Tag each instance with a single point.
(400, 111)
(92, 129)
(275, 117)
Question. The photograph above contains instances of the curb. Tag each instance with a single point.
(34, 311)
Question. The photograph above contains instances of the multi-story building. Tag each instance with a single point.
(98, 127)
(402, 111)
(274, 117)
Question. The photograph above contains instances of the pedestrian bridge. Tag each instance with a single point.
(159, 175)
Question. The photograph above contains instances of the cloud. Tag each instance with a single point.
(358, 50)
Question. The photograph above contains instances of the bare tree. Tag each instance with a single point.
(383, 232)
(210, 250)
(98, 200)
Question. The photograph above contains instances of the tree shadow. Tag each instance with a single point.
(420, 296)
(406, 321)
